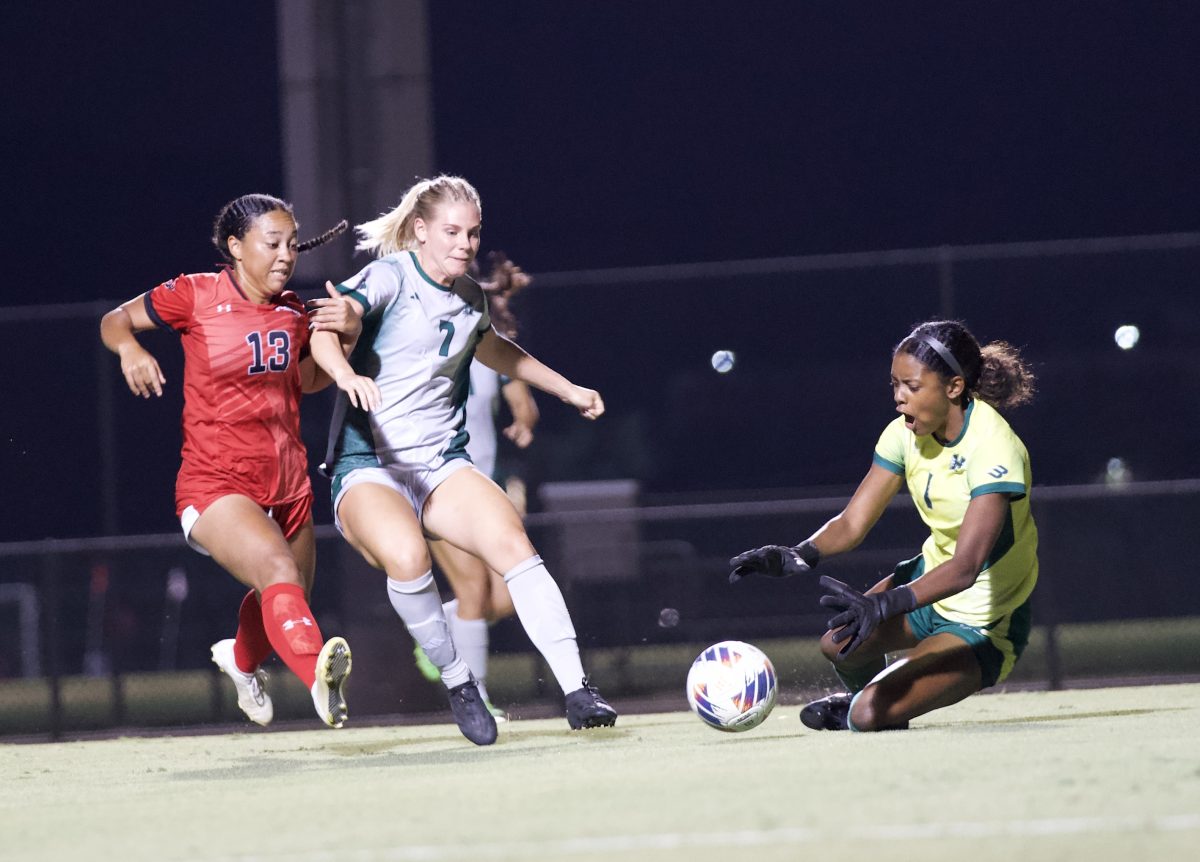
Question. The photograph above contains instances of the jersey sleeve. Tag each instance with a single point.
(889, 451)
(304, 335)
(485, 319)
(171, 304)
(374, 286)
(997, 466)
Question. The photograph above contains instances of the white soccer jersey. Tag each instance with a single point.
(482, 404)
(417, 343)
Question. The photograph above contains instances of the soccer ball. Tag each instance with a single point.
(732, 686)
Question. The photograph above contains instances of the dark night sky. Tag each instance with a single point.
(611, 134)
(605, 134)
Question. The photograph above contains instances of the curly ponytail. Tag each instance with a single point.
(1005, 379)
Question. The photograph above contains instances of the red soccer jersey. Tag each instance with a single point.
(241, 389)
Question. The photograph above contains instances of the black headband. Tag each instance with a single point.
(944, 352)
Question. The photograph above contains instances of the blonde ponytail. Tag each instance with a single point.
(393, 231)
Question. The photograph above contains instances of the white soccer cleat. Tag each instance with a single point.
(333, 669)
(251, 688)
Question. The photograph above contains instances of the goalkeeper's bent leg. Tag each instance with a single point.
(856, 678)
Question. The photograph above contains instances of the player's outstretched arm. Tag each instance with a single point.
(840, 534)
(333, 313)
(118, 330)
(498, 353)
(326, 350)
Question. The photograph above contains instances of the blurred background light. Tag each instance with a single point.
(1127, 336)
(1117, 472)
(723, 361)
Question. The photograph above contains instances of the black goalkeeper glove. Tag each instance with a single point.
(775, 561)
(862, 613)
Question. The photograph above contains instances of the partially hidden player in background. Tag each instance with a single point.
(242, 493)
(962, 607)
(481, 596)
(401, 472)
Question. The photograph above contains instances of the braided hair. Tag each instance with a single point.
(237, 217)
(320, 240)
(995, 373)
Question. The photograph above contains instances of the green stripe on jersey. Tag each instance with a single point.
(890, 466)
(998, 488)
(353, 293)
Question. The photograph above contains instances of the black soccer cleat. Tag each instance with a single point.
(833, 713)
(586, 708)
(828, 713)
(471, 713)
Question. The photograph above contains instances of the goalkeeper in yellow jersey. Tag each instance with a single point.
(961, 608)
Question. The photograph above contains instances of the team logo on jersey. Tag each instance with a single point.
(957, 462)
(997, 471)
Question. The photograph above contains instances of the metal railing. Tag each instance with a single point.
(1094, 564)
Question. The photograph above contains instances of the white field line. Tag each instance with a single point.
(558, 847)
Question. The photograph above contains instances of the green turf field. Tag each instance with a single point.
(1094, 774)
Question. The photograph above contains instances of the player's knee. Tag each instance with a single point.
(509, 549)
(829, 649)
(279, 567)
(404, 561)
(870, 711)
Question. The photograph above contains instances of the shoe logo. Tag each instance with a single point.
(288, 625)
(956, 463)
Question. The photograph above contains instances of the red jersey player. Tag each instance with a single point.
(243, 494)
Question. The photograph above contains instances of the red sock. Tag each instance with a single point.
(293, 630)
(251, 646)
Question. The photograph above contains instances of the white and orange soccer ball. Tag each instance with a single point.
(732, 686)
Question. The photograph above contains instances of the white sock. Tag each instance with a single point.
(420, 607)
(471, 640)
(543, 613)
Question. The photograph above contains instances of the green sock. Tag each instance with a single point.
(856, 679)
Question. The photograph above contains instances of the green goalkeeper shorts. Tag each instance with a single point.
(996, 653)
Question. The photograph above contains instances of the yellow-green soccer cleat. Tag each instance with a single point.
(328, 692)
(497, 713)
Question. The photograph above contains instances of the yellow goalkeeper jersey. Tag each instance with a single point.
(987, 457)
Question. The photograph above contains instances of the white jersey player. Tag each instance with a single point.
(418, 341)
(398, 459)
